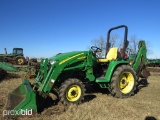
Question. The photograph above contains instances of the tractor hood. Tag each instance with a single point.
(62, 56)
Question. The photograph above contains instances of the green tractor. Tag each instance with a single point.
(16, 57)
(65, 75)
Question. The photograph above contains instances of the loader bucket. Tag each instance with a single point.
(8, 67)
(22, 99)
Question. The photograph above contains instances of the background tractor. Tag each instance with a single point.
(66, 75)
(153, 62)
(16, 57)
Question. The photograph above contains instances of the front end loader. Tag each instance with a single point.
(65, 75)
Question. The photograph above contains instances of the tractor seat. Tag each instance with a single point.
(111, 55)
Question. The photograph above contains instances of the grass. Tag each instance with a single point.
(145, 104)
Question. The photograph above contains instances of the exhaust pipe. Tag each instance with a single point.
(5, 51)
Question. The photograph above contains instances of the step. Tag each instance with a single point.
(100, 79)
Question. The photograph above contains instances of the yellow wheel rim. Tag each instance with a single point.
(73, 93)
(20, 61)
(126, 82)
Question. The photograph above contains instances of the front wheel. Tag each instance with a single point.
(71, 91)
(123, 82)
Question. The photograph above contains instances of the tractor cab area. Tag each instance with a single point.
(112, 54)
(17, 51)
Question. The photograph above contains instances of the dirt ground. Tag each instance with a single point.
(98, 104)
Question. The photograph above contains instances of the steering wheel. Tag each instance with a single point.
(96, 49)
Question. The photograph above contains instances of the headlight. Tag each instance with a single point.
(52, 62)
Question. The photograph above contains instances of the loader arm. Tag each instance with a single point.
(140, 61)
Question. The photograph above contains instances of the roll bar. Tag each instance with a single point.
(126, 42)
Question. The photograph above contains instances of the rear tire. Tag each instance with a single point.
(20, 60)
(72, 91)
(123, 82)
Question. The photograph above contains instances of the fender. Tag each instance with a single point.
(111, 68)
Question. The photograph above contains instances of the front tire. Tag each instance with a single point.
(72, 91)
(123, 82)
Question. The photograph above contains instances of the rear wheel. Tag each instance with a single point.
(123, 82)
(20, 60)
(71, 92)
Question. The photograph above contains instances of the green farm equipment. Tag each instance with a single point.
(6, 67)
(65, 76)
(16, 57)
(157, 62)
(153, 62)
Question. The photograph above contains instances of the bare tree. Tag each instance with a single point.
(113, 40)
(133, 43)
(101, 43)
